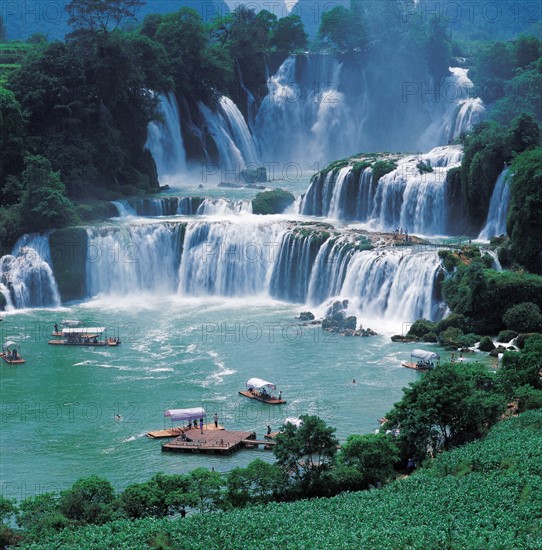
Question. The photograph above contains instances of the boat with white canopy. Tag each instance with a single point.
(84, 336)
(263, 391)
(422, 360)
(10, 353)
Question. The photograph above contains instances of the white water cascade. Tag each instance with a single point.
(498, 208)
(165, 141)
(133, 259)
(412, 196)
(224, 207)
(231, 135)
(26, 277)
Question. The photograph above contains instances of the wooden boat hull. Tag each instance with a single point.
(64, 343)
(257, 397)
(413, 366)
(18, 361)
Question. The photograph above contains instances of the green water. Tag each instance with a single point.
(59, 409)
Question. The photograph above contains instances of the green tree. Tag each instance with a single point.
(307, 451)
(373, 455)
(343, 29)
(288, 35)
(524, 222)
(101, 15)
(88, 500)
(44, 204)
(40, 516)
(449, 405)
(12, 133)
(205, 490)
(524, 133)
(439, 48)
(523, 317)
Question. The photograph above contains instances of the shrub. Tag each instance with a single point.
(486, 344)
(430, 337)
(455, 320)
(506, 335)
(524, 317)
(421, 327)
(383, 167)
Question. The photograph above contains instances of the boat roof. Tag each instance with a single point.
(257, 383)
(185, 414)
(83, 330)
(8, 344)
(425, 355)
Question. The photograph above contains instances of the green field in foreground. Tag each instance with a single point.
(485, 495)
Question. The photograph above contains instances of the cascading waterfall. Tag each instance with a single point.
(228, 259)
(164, 140)
(137, 258)
(498, 208)
(394, 284)
(411, 196)
(224, 207)
(231, 135)
(26, 277)
(454, 110)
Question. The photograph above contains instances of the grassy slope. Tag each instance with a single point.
(485, 495)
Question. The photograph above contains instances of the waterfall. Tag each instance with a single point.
(135, 258)
(394, 284)
(498, 208)
(454, 110)
(407, 197)
(224, 207)
(164, 139)
(26, 277)
(228, 259)
(231, 135)
(124, 209)
(291, 272)
(321, 109)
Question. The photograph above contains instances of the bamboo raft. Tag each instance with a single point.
(413, 366)
(18, 361)
(264, 399)
(222, 442)
(176, 432)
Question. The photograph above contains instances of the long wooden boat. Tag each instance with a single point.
(83, 337)
(414, 366)
(269, 399)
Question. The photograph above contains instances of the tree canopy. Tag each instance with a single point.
(101, 15)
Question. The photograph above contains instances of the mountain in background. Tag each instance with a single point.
(22, 19)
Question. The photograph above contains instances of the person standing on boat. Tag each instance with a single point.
(280, 394)
(215, 417)
(56, 327)
(201, 425)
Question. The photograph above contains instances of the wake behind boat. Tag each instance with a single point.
(261, 390)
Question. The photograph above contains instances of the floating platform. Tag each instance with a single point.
(176, 432)
(259, 397)
(222, 442)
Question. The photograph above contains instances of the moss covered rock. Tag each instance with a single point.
(69, 248)
(486, 344)
(272, 202)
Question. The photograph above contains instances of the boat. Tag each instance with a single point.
(10, 353)
(261, 390)
(84, 336)
(422, 360)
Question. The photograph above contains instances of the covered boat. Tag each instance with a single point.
(262, 390)
(10, 353)
(84, 336)
(422, 360)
